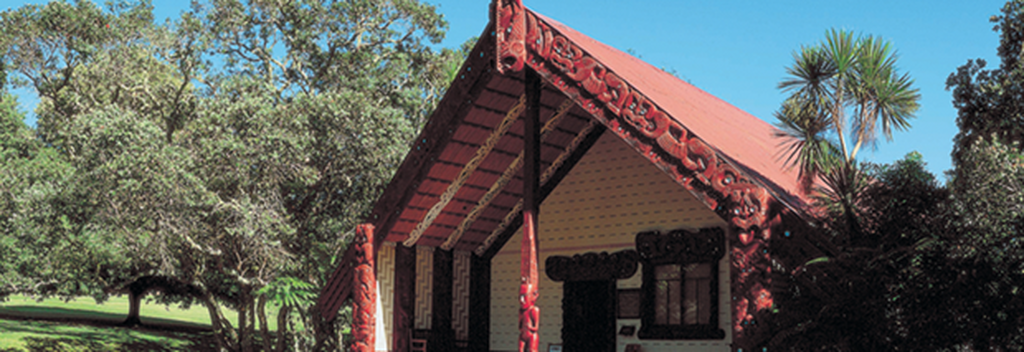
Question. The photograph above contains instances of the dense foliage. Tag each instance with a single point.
(921, 266)
(220, 159)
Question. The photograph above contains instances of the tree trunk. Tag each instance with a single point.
(244, 337)
(135, 295)
(222, 330)
(282, 328)
(261, 309)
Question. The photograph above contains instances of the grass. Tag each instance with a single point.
(84, 325)
(31, 335)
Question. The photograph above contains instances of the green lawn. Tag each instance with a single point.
(83, 325)
(32, 335)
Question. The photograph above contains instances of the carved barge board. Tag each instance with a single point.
(338, 287)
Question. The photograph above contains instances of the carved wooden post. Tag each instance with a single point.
(529, 313)
(364, 295)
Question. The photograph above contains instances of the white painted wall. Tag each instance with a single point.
(611, 195)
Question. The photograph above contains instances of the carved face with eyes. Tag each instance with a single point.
(527, 300)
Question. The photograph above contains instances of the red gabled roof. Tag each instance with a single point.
(451, 170)
(744, 138)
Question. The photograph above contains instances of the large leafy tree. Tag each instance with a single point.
(308, 116)
(988, 102)
(110, 104)
(32, 179)
(225, 158)
(982, 271)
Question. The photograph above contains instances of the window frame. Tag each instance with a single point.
(679, 247)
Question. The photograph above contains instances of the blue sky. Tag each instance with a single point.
(738, 50)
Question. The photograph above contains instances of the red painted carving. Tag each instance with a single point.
(529, 313)
(688, 159)
(364, 297)
(509, 17)
(558, 57)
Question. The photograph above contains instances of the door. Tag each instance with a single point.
(588, 316)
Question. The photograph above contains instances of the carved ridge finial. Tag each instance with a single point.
(509, 17)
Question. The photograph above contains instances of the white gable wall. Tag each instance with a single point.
(611, 195)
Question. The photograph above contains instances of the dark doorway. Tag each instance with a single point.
(588, 316)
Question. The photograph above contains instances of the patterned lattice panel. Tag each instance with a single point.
(424, 287)
(611, 195)
(386, 282)
(460, 295)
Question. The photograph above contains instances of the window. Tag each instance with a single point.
(682, 294)
(680, 284)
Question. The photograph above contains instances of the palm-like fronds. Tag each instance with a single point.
(803, 131)
(843, 72)
(882, 95)
(810, 75)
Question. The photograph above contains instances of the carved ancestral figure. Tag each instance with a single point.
(529, 318)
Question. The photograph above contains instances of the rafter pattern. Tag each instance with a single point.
(481, 154)
(503, 181)
(544, 178)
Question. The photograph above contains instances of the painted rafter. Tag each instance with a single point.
(505, 178)
(481, 154)
(511, 216)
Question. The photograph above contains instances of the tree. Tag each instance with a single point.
(988, 101)
(905, 213)
(932, 268)
(94, 69)
(982, 269)
(322, 99)
(963, 292)
(848, 87)
(31, 179)
(220, 157)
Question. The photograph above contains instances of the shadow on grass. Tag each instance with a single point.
(58, 330)
(94, 318)
(45, 344)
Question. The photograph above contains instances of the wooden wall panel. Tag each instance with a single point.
(386, 283)
(460, 294)
(611, 195)
(424, 288)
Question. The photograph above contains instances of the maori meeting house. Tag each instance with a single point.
(567, 196)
